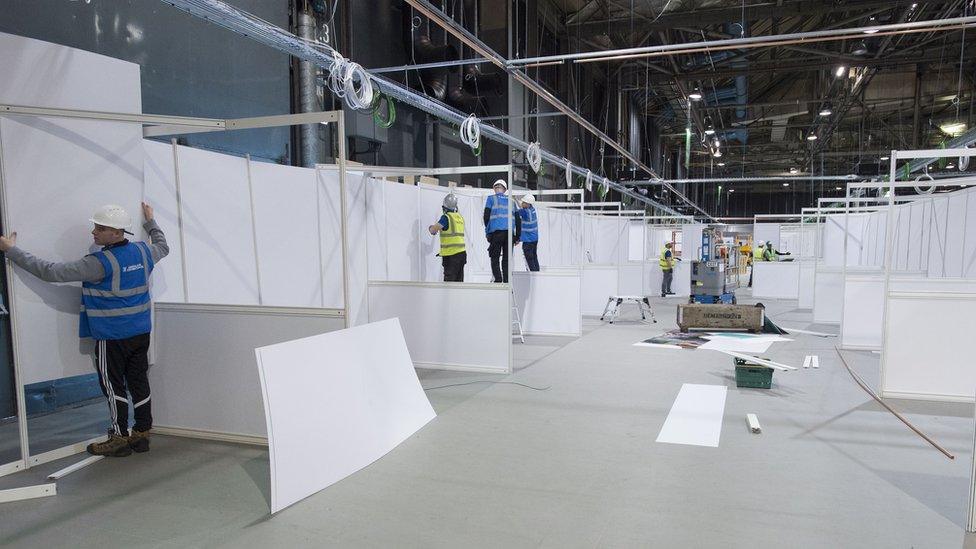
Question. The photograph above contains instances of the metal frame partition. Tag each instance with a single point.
(395, 171)
(153, 125)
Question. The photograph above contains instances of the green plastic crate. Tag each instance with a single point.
(751, 375)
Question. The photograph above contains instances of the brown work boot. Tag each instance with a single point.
(116, 446)
(139, 441)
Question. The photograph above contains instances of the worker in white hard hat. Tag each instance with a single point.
(115, 312)
(497, 225)
(529, 235)
(451, 230)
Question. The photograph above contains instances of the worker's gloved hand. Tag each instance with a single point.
(7, 242)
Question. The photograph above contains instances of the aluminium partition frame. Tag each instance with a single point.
(153, 125)
(394, 171)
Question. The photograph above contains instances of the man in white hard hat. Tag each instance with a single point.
(451, 230)
(115, 311)
(529, 236)
(497, 223)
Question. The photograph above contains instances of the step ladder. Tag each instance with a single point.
(516, 321)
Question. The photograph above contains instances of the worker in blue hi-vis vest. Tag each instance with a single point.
(497, 223)
(529, 236)
(116, 312)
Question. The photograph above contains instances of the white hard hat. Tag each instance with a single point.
(500, 182)
(112, 216)
(450, 202)
(528, 199)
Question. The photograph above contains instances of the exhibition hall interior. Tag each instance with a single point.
(487, 273)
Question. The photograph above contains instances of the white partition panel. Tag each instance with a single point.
(449, 325)
(160, 192)
(927, 339)
(828, 296)
(681, 284)
(630, 279)
(763, 232)
(55, 173)
(403, 227)
(218, 234)
(808, 270)
(549, 302)
(599, 283)
(330, 225)
(336, 403)
(430, 201)
(863, 311)
(287, 231)
(776, 279)
(204, 381)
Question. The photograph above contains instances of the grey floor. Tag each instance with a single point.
(576, 465)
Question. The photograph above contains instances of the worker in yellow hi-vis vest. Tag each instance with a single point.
(451, 229)
(666, 262)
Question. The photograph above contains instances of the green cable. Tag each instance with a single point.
(390, 113)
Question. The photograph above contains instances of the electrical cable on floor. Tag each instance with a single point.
(868, 390)
(491, 382)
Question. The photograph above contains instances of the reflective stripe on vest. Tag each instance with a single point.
(530, 224)
(452, 240)
(665, 263)
(118, 306)
(498, 218)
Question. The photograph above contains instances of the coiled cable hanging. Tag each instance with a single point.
(350, 81)
(604, 187)
(533, 154)
(589, 180)
(928, 190)
(470, 133)
(569, 174)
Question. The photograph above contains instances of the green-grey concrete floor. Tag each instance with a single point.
(573, 466)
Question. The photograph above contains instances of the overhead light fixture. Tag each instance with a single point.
(731, 190)
(915, 5)
(710, 130)
(695, 95)
(812, 137)
(794, 170)
(885, 158)
(720, 164)
(826, 111)
(786, 184)
(838, 188)
(861, 48)
(717, 153)
(953, 129)
(841, 70)
(950, 166)
(716, 142)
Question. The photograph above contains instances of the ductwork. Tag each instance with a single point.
(740, 30)
(308, 94)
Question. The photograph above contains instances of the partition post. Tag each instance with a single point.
(254, 229)
(341, 161)
(179, 218)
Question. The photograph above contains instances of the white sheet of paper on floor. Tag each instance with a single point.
(696, 416)
(816, 361)
(806, 361)
(335, 403)
(720, 343)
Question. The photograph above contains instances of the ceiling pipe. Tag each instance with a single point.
(482, 49)
(858, 33)
(249, 26)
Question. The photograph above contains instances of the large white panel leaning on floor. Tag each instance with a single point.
(217, 229)
(449, 325)
(203, 380)
(549, 302)
(335, 403)
(55, 172)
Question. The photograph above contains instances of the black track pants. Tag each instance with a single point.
(123, 366)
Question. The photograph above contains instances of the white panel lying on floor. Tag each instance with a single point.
(696, 416)
(335, 403)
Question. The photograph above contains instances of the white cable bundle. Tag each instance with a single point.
(343, 79)
(963, 164)
(929, 190)
(589, 180)
(569, 174)
(471, 132)
(533, 155)
(604, 187)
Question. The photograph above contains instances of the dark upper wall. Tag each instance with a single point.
(189, 67)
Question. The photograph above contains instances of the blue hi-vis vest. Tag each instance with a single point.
(498, 204)
(530, 224)
(118, 306)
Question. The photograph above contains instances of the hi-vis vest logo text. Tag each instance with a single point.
(130, 268)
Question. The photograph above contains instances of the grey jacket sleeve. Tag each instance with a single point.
(86, 269)
(158, 246)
